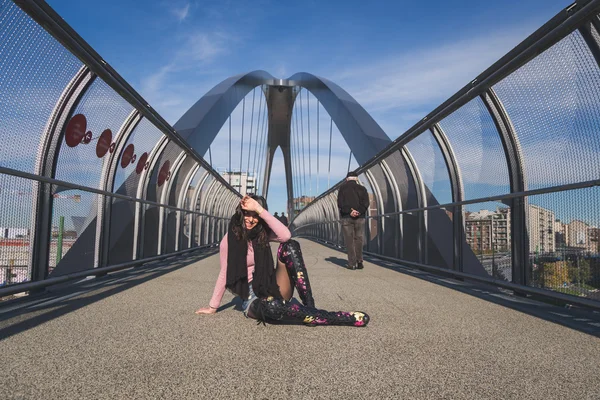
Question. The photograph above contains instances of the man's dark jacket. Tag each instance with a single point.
(351, 195)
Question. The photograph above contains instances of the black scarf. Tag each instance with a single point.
(264, 282)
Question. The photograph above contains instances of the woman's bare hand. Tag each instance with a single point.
(249, 204)
(206, 310)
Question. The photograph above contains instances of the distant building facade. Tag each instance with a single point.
(488, 231)
(540, 226)
(241, 181)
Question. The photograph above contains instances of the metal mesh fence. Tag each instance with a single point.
(34, 71)
(141, 142)
(16, 208)
(101, 111)
(122, 231)
(62, 122)
(431, 167)
(478, 150)
(73, 237)
(564, 247)
(554, 104)
(548, 112)
(487, 249)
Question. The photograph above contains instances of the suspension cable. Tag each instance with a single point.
(229, 172)
(297, 147)
(262, 143)
(256, 143)
(242, 141)
(293, 157)
(250, 142)
(349, 159)
(329, 167)
(303, 152)
(309, 146)
(318, 105)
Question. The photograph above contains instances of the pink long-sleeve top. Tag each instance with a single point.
(280, 234)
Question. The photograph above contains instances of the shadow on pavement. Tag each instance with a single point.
(340, 262)
(580, 319)
(19, 315)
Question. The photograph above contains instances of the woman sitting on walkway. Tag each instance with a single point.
(248, 270)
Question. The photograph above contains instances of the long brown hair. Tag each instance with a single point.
(261, 231)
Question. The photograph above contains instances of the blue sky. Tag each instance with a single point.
(398, 59)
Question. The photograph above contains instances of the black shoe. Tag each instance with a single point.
(352, 267)
(360, 265)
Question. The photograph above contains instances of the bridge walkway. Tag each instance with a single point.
(134, 335)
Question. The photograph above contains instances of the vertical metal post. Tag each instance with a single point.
(457, 193)
(518, 183)
(59, 239)
(47, 156)
(421, 202)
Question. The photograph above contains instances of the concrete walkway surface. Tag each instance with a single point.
(134, 335)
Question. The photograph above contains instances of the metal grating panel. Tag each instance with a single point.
(16, 205)
(564, 241)
(161, 175)
(121, 234)
(151, 229)
(104, 111)
(34, 71)
(478, 150)
(77, 210)
(142, 141)
(431, 165)
(440, 236)
(180, 180)
(554, 104)
(487, 240)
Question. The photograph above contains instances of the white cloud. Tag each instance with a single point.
(426, 76)
(181, 13)
(203, 47)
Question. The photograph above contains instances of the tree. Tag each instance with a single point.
(553, 274)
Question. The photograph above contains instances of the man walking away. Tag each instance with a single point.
(353, 202)
(284, 219)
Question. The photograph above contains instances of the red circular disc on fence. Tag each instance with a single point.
(127, 155)
(104, 143)
(141, 163)
(75, 130)
(164, 173)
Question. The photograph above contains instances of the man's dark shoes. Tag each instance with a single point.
(359, 265)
